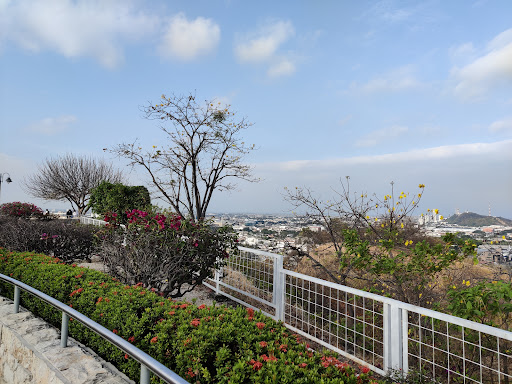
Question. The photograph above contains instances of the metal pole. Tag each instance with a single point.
(144, 374)
(16, 299)
(64, 330)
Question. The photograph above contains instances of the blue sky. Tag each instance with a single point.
(405, 91)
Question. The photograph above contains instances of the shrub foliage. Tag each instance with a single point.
(202, 344)
(164, 252)
(67, 240)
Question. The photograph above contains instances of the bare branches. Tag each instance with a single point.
(205, 152)
(70, 178)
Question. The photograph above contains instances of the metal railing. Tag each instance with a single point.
(147, 363)
(378, 332)
(91, 221)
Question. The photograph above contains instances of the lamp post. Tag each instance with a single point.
(7, 180)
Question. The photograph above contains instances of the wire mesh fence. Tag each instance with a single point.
(381, 333)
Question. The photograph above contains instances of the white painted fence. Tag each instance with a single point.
(378, 332)
(372, 330)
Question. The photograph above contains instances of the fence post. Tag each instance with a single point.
(64, 328)
(395, 338)
(144, 374)
(216, 278)
(16, 299)
(278, 291)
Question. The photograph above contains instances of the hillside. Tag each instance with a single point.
(470, 219)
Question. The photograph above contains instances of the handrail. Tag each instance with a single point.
(147, 362)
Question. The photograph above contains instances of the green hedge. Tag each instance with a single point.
(202, 344)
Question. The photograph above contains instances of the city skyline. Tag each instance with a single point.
(410, 92)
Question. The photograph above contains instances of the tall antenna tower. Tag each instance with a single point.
(489, 209)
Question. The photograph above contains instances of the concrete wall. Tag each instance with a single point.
(30, 352)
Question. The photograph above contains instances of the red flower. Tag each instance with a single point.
(250, 312)
(283, 347)
(263, 344)
(303, 365)
(172, 313)
(190, 373)
(195, 322)
(126, 356)
(264, 357)
(202, 306)
(115, 331)
(154, 340)
(364, 369)
(131, 339)
(257, 366)
(260, 325)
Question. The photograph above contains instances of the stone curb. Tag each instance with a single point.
(30, 352)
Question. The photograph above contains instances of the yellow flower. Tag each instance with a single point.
(441, 217)
(503, 237)
(401, 225)
(367, 217)
(421, 186)
(436, 211)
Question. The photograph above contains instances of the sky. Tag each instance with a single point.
(409, 92)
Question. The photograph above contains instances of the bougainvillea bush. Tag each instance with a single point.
(21, 210)
(67, 240)
(164, 251)
(202, 344)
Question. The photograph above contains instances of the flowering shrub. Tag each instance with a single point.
(202, 344)
(66, 240)
(164, 251)
(21, 210)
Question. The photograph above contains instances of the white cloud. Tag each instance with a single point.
(95, 29)
(52, 125)
(188, 39)
(398, 80)
(492, 69)
(462, 51)
(373, 138)
(500, 126)
(282, 67)
(264, 46)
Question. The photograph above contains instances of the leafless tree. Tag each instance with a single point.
(70, 178)
(204, 154)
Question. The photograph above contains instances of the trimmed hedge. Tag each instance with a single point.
(202, 344)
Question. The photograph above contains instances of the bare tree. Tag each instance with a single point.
(204, 154)
(70, 178)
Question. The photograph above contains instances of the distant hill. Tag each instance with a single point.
(470, 219)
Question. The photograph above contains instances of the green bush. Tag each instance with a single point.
(202, 344)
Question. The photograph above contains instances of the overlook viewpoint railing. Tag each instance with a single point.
(372, 330)
(147, 363)
(378, 332)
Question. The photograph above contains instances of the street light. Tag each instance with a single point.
(7, 180)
